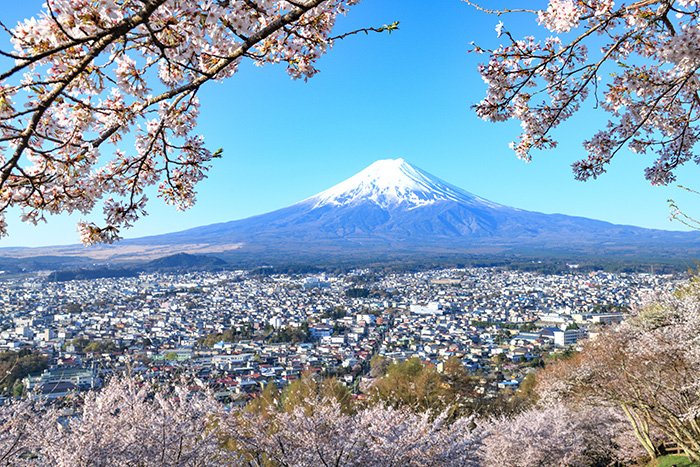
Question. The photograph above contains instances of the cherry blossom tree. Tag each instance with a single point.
(87, 74)
(648, 367)
(638, 61)
(126, 423)
(133, 423)
(552, 435)
(373, 436)
(16, 427)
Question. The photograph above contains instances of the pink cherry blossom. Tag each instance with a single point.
(90, 73)
(636, 62)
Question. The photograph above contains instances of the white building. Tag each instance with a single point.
(567, 337)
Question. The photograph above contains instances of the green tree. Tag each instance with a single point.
(337, 313)
(309, 390)
(410, 384)
(229, 335)
(423, 388)
(17, 389)
(79, 343)
(357, 292)
(14, 366)
(268, 401)
(100, 346)
(73, 308)
(378, 366)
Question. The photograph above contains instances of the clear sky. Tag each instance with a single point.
(407, 95)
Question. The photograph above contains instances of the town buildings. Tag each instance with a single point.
(236, 331)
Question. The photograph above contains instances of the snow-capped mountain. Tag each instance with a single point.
(392, 183)
(393, 207)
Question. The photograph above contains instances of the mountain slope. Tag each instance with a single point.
(392, 204)
(392, 208)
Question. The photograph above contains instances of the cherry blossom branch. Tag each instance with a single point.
(677, 214)
(87, 72)
(653, 66)
(500, 11)
(44, 104)
(386, 28)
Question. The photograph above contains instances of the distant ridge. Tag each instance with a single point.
(185, 261)
(394, 209)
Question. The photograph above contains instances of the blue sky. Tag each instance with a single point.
(407, 95)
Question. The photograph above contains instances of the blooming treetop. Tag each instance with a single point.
(639, 60)
(648, 366)
(131, 422)
(88, 73)
(553, 434)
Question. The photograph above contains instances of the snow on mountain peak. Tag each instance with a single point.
(392, 183)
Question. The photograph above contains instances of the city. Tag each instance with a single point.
(237, 331)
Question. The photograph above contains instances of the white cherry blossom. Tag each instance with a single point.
(89, 73)
(637, 61)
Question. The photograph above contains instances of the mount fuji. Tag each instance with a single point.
(394, 209)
